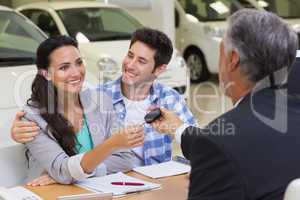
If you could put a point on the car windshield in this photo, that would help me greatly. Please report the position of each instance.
(99, 24)
(283, 8)
(19, 40)
(213, 10)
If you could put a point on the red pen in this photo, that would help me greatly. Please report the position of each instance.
(127, 183)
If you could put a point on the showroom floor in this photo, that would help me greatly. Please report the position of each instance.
(206, 103)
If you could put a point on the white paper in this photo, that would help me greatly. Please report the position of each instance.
(165, 169)
(103, 184)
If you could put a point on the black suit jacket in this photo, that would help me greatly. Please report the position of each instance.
(239, 156)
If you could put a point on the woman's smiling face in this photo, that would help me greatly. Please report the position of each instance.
(66, 69)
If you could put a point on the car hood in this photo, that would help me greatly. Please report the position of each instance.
(199, 27)
(16, 85)
(294, 23)
(114, 49)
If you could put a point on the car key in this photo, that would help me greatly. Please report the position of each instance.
(152, 115)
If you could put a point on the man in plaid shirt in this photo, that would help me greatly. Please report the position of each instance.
(157, 147)
(136, 90)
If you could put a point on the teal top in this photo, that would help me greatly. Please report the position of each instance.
(84, 139)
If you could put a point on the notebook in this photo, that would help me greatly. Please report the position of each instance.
(170, 168)
(104, 184)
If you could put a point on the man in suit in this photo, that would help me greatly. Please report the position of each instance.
(252, 151)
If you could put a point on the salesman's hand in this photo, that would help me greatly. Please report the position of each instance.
(23, 131)
(167, 123)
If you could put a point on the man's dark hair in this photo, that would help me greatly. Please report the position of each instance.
(156, 40)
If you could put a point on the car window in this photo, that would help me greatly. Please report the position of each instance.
(19, 39)
(99, 24)
(213, 10)
(283, 8)
(116, 21)
(43, 20)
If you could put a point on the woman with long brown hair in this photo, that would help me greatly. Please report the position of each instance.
(76, 137)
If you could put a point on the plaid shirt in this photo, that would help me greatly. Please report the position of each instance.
(157, 147)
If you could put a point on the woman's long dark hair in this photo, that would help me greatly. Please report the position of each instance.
(44, 95)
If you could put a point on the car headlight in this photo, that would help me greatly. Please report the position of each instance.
(107, 65)
(177, 61)
(214, 31)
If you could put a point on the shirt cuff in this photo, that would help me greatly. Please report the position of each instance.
(179, 131)
(75, 168)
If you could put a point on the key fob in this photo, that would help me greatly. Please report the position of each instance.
(152, 115)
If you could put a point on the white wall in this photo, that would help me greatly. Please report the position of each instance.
(16, 3)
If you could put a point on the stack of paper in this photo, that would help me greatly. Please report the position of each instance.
(104, 184)
(165, 169)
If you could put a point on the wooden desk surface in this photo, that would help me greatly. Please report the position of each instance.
(175, 187)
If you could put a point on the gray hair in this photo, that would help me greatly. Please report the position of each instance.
(264, 42)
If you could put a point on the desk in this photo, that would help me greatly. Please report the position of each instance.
(175, 187)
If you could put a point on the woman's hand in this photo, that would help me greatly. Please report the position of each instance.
(126, 138)
(41, 181)
(129, 137)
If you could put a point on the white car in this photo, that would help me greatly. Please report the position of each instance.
(19, 39)
(200, 25)
(103, 32)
